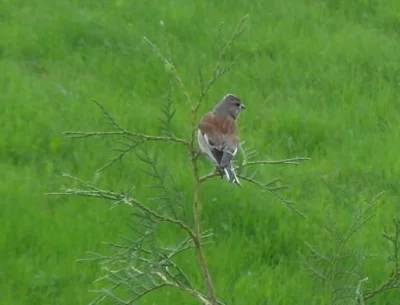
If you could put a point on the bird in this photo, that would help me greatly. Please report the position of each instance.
(217, 135)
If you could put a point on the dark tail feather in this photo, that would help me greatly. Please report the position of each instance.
(226, 159)
(231, 175)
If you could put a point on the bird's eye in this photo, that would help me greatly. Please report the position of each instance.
(237, 104)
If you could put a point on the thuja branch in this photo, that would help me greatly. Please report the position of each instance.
(218, 72)
(140, 274)
(121, 132)
(393, 282)
(166, 282)
(121, 199)
(220, 69)
(269, 186)
(170, 67)
(132, 139)
(340, 268)
(273, 191)
(143, 137)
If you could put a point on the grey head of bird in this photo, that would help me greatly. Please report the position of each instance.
(230, 105)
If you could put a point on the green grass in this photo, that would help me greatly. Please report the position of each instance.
(320, 79)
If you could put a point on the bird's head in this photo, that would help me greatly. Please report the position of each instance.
(229, 105)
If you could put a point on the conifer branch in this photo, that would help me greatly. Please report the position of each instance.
(220, 69)
(393, 282)
(119, 198)
(142, 264)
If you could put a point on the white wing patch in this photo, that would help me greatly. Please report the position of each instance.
(234, 152)
(205, 146)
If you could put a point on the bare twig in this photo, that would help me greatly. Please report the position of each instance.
(294, 161)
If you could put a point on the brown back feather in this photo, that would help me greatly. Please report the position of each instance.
(220, 126)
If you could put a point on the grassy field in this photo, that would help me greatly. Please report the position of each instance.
(320, 78)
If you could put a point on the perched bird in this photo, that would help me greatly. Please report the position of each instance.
(217, 135)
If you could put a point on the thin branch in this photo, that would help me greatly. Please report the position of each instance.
(168, 113)
(294, 161)
(95, 192)
(219, 70)
(171, 198)
(121, 131)
(393, 282)
(171, 67)
(135, 139)
(209, 176)
(289, 204)
(192, 292)
(87, 134)
(359, 299)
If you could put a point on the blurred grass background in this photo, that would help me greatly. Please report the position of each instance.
(320, 79)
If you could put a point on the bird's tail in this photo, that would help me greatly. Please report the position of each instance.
(231, 175)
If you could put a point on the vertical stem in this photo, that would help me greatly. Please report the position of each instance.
(197, 232)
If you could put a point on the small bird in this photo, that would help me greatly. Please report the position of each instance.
(217, 135)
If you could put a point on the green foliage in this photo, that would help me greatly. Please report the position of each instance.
(320, 79)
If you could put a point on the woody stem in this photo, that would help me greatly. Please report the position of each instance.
(197, 232)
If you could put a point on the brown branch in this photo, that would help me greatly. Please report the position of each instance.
(197, 231)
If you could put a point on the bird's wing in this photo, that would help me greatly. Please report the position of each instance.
(207, 149)
(219, 133)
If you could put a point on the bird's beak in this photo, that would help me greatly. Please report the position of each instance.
(242, 106)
